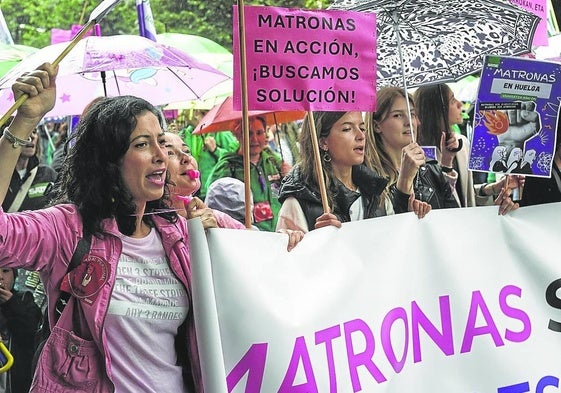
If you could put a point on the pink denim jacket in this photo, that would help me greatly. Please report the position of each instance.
(45, 241)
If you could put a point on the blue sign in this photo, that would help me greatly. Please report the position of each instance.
(516, 116)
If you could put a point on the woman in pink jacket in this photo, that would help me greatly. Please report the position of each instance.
(129, 325)
(185, 176)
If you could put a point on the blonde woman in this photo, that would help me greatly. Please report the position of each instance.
(392, 153)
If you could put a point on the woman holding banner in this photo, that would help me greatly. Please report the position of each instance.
(134, 281)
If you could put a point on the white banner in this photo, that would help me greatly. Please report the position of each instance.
(462, 301)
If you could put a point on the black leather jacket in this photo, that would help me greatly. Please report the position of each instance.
(430, 186)
(538, 190)
(370, 185)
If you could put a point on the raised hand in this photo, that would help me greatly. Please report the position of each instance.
(418, 207)
(412, 157)
(40, 87)
(448, 147)
(523, 123)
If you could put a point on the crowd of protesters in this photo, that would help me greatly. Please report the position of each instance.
(120, 179)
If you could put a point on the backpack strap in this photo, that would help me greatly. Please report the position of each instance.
(82, 249)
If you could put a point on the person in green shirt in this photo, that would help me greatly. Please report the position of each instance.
(266, 172)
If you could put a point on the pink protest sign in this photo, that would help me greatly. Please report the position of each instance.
(539, 8)
(307, 59)
(60, 35)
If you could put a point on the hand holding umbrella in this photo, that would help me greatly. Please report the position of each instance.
(97, 14)
(133, 65)
(449, 146)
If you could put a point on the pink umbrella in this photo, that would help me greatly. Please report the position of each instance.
(117, 65)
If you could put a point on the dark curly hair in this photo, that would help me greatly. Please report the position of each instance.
(91, 177)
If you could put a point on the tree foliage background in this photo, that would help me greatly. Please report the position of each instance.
(31, 21)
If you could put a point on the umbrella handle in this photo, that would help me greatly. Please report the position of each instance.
(19, 102)
(457, 149)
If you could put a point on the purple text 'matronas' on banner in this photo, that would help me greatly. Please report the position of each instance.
(384, 305)
(307, 59)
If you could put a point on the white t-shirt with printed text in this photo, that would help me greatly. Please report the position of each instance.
(147, 306)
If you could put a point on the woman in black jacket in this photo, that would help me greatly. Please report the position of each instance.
(353, 190)
(19, 319)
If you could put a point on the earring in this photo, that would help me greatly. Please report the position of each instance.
(326, 156)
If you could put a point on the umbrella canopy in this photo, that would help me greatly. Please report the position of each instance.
(211, 98)
(207, 51)
(223, 117)
(202, 49)
(11, 55)
(117, 65)
(430, 41)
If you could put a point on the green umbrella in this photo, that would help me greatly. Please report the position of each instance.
(466, 88)
(210, 52)
(201, 48)
(10, 55)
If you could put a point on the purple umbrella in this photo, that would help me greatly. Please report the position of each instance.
(117, 65)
